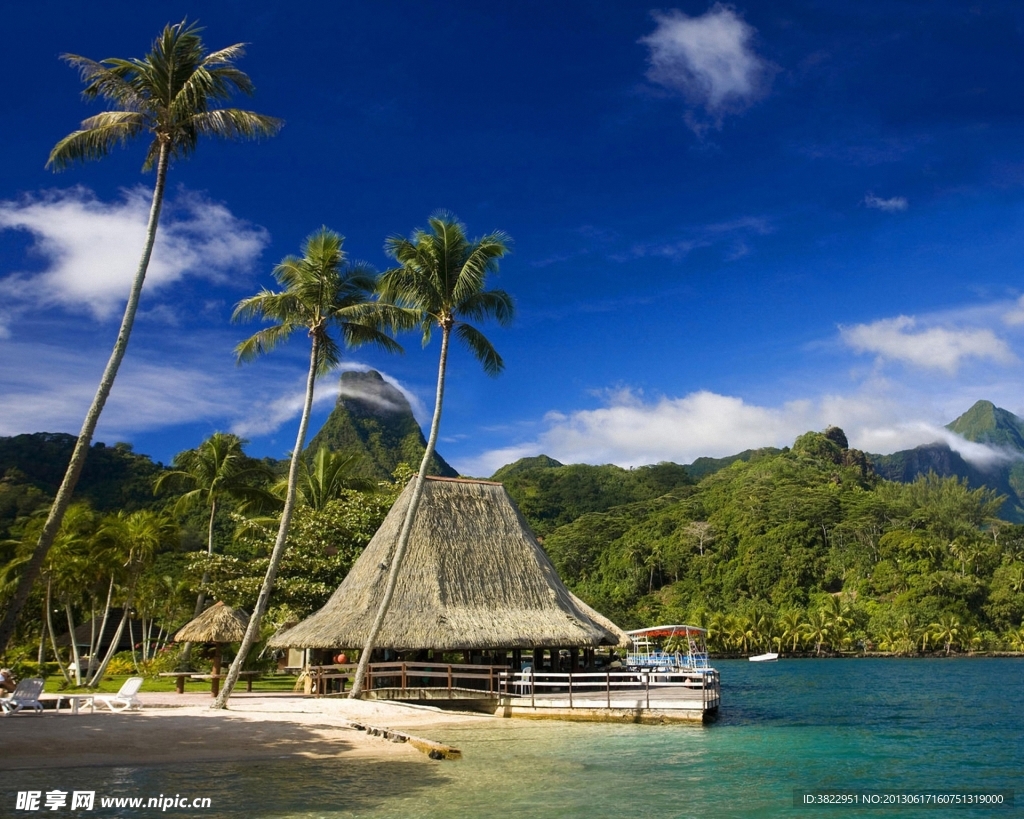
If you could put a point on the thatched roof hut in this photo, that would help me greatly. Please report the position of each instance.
(474, 577)
(218, 624)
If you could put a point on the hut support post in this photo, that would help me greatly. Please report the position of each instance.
(215, 680)
(608, 687)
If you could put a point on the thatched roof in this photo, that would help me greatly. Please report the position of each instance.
(474, 577)
(624, 640)
(218, 624)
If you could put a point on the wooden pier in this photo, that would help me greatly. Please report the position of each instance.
(593, 696)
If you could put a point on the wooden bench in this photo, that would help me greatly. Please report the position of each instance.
(215, 679)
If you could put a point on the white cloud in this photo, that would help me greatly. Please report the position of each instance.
(1014, 316)
(90, 249)
(267, 415)
(893, 205)
(54, 397)
(630, 431)
(709, 61)
(937, 348)
(736, 232)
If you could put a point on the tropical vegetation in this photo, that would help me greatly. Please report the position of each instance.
(170, 96)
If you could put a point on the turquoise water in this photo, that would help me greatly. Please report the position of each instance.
(857, 725)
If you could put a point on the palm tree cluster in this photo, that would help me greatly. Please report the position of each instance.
(174, 95)
(838, 626)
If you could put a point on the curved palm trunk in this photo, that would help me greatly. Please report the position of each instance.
(410, 515)
(53, 637)
(253, 629)
(74, 642)
(74, 470)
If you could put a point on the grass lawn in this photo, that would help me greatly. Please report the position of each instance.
(111, 684)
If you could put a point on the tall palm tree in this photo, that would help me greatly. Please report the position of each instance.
(441, 275)
(215, 470)
(321, 294)
(170, 95)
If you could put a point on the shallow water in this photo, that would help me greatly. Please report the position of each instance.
(883, 725)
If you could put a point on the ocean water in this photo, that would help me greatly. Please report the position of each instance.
(800, 726)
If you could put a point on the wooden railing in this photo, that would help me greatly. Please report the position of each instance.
(404, 675)
(495, 680)
(587, 684)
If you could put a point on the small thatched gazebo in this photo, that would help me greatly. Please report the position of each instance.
(474, 579)
(219, 624)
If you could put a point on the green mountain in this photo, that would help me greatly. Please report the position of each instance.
(806, 530)
(374, 419)
(551, 495)
(984, 423)
(702, 467)
(32, 467)
(524, 465)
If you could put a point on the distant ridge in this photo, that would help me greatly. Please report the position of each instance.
(524, 464)
(374, 419)
(702, 467)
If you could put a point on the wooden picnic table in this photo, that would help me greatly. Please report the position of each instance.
(214, 679)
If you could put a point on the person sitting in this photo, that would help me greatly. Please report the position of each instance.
(7, 680)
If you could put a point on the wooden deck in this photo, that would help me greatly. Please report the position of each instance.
(607, 696)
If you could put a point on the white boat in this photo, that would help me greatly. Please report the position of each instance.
(677, 651)
(771, 657)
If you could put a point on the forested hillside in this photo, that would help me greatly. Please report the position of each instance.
(812, 538)
(807, 548)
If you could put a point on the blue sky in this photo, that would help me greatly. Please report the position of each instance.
(732, 223)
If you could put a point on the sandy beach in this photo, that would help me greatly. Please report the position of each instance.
(174, 728)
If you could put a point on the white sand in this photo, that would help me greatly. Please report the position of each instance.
(254, 727)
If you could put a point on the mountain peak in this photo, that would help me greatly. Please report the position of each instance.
(985, 423)
(373, 418)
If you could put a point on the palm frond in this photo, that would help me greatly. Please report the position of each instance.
(102, 80)
(263, 342)
(496, 304)
(481, 348)
(234, 123)
(93, 143)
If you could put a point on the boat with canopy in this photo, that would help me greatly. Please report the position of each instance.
(674, 649)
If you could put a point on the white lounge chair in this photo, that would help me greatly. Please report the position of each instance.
(26, 695)
(125, 699)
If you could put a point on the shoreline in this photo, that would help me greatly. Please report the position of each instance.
(253, 728)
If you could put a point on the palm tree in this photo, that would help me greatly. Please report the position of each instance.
(792, 623)
(818, 627)
(215, 470)
(946, 630)
(326, 478)
(169, 95)
(134, 537)
(440, 275)
(321, 294)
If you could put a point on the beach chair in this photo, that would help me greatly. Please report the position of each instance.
(125, 699)
(26, 695)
